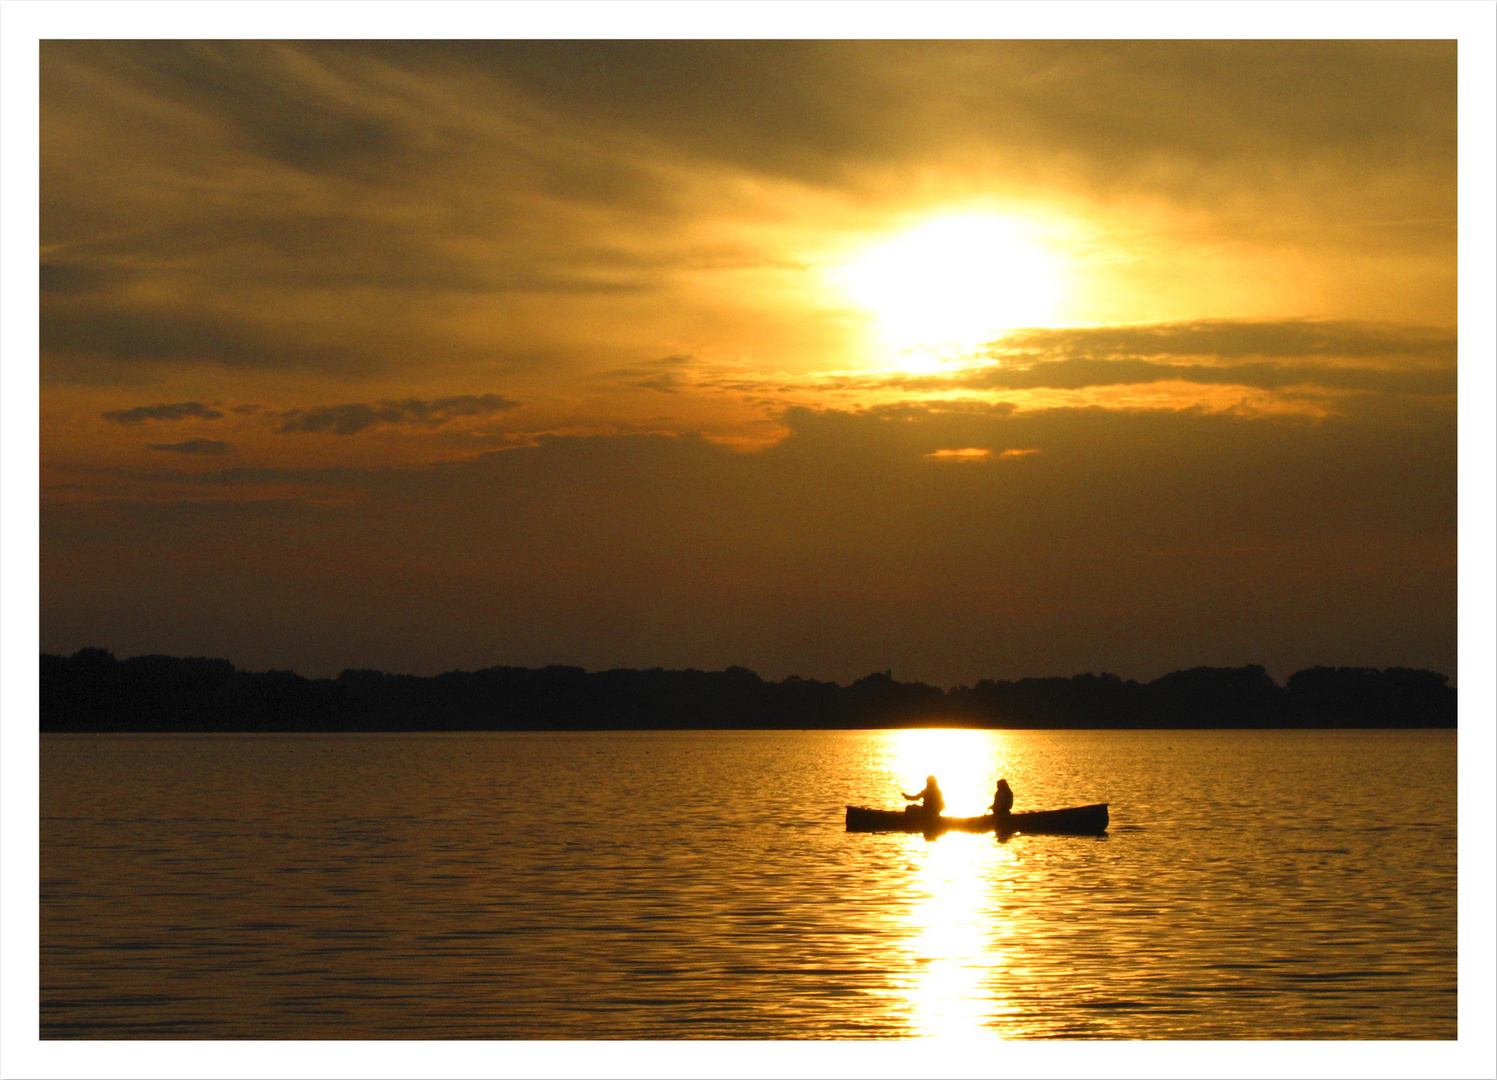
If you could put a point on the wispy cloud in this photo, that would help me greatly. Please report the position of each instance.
(1121, 520)
(664, 374)
(1262, 355)
(967, 453)
(350, 419)
(194, 446)
(182, 410)
(1234, 339)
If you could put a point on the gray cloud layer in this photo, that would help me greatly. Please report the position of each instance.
(357, 209)
(1265, 355)
(1129, 536)
(182, 410)
(304, 205)
(1296, 355)
(1162, 113)
(194, 446)
(346, 419)
(1079, 374)
(353, 418)
(1235, 339)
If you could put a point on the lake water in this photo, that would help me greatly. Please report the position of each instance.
(697, 885)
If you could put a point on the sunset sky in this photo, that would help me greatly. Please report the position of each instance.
(965, 359)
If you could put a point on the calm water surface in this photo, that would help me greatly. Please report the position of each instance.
(663, 885)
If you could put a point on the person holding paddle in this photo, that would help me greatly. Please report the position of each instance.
(931, 802)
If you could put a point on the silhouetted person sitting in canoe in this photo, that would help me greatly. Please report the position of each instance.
(1003, 800)
(931, 802)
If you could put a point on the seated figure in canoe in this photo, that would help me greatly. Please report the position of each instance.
(1003, 802)
(931, 802)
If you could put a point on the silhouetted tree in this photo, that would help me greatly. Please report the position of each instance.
(93, 691)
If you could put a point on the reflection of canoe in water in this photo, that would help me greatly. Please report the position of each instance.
(1073, 821)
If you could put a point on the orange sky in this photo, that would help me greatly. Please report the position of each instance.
(967, 359)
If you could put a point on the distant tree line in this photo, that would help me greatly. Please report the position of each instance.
(93, 691)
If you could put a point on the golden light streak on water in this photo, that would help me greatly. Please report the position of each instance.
(959, 946)
(966, 764)
(948, 995)
(701, 885)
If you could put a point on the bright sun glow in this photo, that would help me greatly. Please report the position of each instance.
(965, 762)
(959, 934)
(956, 280)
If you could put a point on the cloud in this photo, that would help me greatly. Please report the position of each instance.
(340, 207)
(1079, 374)
(194, 446)
(1119, 546)
(1265, 355)
(1177, 116)
(1230, 339)
(56, 276)
(353, 418)
(111, 331)
(662, 374)
(968, 453)
(288, 206)
(270, 217)
(182, 410)
(1287, 360)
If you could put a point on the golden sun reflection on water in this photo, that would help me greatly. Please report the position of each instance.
(955, 989)
(959, 950)
(966, 764)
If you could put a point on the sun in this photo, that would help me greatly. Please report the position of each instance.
(954, 280)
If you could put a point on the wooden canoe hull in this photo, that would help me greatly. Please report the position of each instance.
(1072, 821)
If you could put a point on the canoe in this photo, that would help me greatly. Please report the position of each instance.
(1072, 821)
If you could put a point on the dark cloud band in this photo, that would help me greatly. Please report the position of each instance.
(353, 418)
(1080, 374)
(1282, 355)
(194, 446)
(1235, 339)
(182, 410)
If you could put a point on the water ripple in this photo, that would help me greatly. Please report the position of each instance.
(701, 885)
